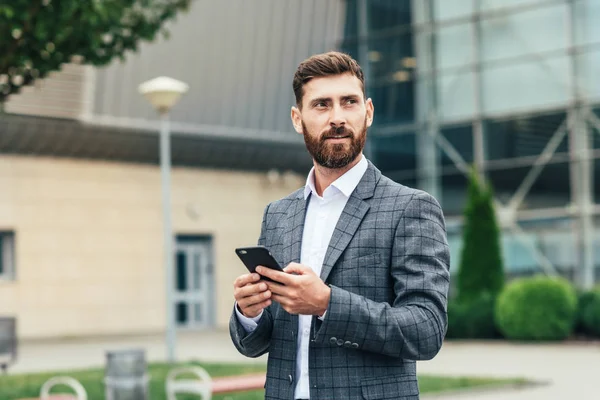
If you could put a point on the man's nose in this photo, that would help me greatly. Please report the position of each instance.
(337, 117)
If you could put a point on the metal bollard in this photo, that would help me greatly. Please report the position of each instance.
(125, 376)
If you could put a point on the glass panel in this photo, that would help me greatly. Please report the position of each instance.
(389, 55)
(454, 192)
(395, 156)
(385, 14)
(197, 273)
(444, 9)
(551, 188)
(587, 28)
(198, 314)
(454, 46)
(461, 138)
(531, 85)
(488, 5)
(181, 271)
(454, 182)
(351, 25)
(588, 78)
(522, 137)
(456, 96)
(535, 31)
(394, 102)
(181, 313)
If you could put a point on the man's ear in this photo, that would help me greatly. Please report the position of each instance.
(370, 112)
(297, 120)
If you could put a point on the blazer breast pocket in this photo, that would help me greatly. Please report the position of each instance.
(401, 387)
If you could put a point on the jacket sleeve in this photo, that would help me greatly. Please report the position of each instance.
(414, 325)
(257, 342)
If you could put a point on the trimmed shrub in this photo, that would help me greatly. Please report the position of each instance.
(538, 308)
(584, 298)
(591, 314)
(472, 319)
(481, 268)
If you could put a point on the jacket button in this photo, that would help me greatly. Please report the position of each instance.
(340, 342)
(290, 378)
(333, 340)
(355, 345)
(347, 344)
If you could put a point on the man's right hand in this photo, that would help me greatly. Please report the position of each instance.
(251, 294)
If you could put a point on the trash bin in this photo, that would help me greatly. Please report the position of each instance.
(125, 376)
(8, 341)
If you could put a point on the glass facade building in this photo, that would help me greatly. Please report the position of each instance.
(508, 86)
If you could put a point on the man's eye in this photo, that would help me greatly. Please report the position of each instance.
(321, 104)
(351, 101)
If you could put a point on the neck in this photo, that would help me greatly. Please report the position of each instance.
(326, 176)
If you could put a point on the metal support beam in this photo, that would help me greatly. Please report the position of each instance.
(428, 157)
(581, 165)
(363, 58)
(478, 127)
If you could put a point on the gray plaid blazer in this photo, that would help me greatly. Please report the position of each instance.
(388, 268)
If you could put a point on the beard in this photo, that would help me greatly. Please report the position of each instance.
(335, 155)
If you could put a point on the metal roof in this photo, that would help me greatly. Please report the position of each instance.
(41, 136)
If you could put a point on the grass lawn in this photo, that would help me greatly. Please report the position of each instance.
(21, 386)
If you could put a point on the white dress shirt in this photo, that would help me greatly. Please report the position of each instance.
(322, 216)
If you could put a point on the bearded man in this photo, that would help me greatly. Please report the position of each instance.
(364, 292)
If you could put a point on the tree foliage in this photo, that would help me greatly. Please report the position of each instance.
(38, 36)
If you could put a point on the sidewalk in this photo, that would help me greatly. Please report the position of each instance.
(570, 371)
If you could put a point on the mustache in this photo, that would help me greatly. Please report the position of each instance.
(339, 131)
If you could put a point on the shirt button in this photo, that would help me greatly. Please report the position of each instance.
(306, 331)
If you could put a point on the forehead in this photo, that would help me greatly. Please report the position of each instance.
(333, 86)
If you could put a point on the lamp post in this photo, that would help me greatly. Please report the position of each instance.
(163, 93)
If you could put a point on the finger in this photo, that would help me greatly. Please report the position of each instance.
(298, 269)
(254, 299)
(249, 290)
(278, 276)
(256, 308)
(280, 299)
(246, 279)
(277, 288)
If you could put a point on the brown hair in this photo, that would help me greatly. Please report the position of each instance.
(326, 64)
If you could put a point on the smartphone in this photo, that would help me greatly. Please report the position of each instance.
(254, 256)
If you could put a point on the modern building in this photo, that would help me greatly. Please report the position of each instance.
(508, 86)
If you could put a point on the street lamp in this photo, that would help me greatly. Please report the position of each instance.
(163, 93)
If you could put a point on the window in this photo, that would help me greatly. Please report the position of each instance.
(7, 255)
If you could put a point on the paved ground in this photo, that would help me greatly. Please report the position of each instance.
(569, 371)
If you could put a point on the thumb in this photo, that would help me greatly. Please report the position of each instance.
(298, 269)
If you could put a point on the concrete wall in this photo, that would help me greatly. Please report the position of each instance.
(89, 258)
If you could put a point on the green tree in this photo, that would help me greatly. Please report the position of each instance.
(481, 267)
(38, 36)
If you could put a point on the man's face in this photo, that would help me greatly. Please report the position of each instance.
(334, 119)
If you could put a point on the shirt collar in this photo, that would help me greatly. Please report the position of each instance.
(345, 183)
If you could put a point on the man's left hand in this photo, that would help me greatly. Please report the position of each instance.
(299, 290)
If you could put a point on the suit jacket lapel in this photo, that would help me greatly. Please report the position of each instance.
(355, 210)
(292, 237)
